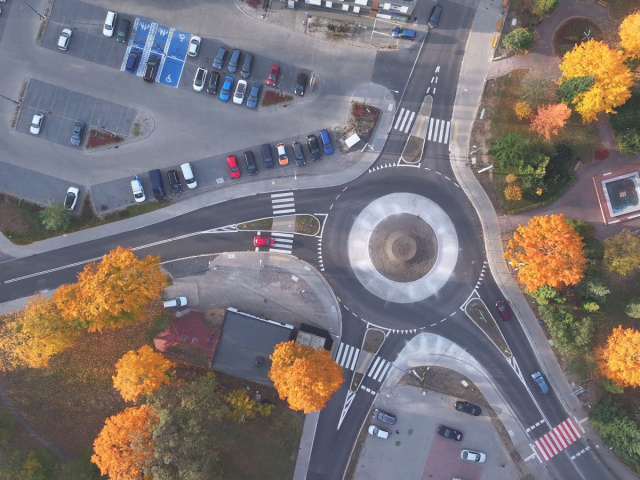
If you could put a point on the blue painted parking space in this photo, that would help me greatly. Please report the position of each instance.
(141, 29)
(179, 45)
(171, 72)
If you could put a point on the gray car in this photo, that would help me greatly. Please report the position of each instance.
(252, 101)
(384, 416)
(219, 60)
(245, 72)
(233, 61)
(540, 382)
(76, 137)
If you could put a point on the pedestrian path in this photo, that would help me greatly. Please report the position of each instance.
(558, 439)
(347, 356)
(283, 242)
(283, 203)
(438, 130)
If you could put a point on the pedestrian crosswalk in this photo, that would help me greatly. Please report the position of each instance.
(283, 242)
(438, 130)
(283, 203)
(404, 120)
(557, 439)
(347, 356)
(379, 369)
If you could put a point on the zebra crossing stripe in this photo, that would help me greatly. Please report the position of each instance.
(283, 205)
(280, 250)
(280, 200)
(278, 195)
(283, 212)
(283, 235)
(559, 438)
(439, 131)
(400, 115)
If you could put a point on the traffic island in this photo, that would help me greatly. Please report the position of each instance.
(302, 224)
(414, 148)
(478, 312)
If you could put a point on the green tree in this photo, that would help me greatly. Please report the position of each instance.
(622, 252)
(617, 430)
(545, 294)
(612, 387)
(628, 142)
(543, 8)
(592, 289)
(55, 217)
(590, 307)
(519, 40)
(510, 151)
(571, 88)
(244, 407)
(633, 308)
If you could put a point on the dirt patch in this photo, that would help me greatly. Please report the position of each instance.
(272, 97)
(307, 225)
(373, 340)
(572, 32)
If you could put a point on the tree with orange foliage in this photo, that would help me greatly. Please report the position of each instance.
(304, 376)
(523, 110)
(620, 358)
(141, 372)
(123, 448)
(549, 119)
(547, 251)
(113, 293)
(612, 78)
(629, 31)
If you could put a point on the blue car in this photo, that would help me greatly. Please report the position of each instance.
(403, 33)
(225, 91)
(540, 383)
(252, 101)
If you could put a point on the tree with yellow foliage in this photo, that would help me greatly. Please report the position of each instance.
(612, 78)
(31, 337)
(141, 372)
(113, 293)
(523, 110)
(547, 251)
(620, 357)
(123, 449)
(629, 31)
(304, 376)
(513, 193)
(549, 119)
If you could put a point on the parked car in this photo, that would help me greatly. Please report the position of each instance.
(327, 146)
(219, 60)
(241, 88)
(403, 33)
(249, 159)
(540, 382)
(138, 190)
(123, 30)
(471, 456)
(133, 60)
(232, 163)
(503, 310)
(470, 408)
(200, 79)
(212, 84)
(448, 432)
(194, 45)
(272, 78)
(436, 11)
(384, 416)
(301, 84)
(225, 91)
(175, 302)
(378, 432)
(259, 241)
(232, 67)
(109, 24)
(64, 39)
(282, 154)
(187, 174)
(266, 155)
(72, 198)
(245, 71)
(299, 154)
(314, 148)
(36, 123)
(151, 70)
(252, 100)
(174, 182)
(76, 136)
(157, 185)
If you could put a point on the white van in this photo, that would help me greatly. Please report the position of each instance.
(187, 173)
(109, 24)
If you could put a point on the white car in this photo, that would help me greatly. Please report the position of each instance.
(378, 432)
(194, 46)
(471, 456)
(241, 88)
(72, 198)
(138, 191)
(36, 123)
(175, 302)
(64, 39)
(109, 24)
(200, 79)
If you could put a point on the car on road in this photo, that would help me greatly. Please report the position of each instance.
(234, 60)
(384, 416)
(76, 136)
(503, 310)
(212, 84)
(266, 155)
(138, 190)
(123, 30)
(299, 154)
(225, 91)
(194, 45)
(540, 382)
(254, 94)
(405, 33)
(175, 302)
(272, 78)
(314, 147)
(259, 241)
(200, 79)
(72, 198)
(64, 39)
(470, 408)
(109, 24)
(436, 11)
(250, 160)
(241, 88)
(472, 456)
(448, 432)
(232, 163)
(36, 123)
(174, 182)
(219, 60)
(282, 154)
(151, 70)
(378, 432)
(245, 71)
(301, 84)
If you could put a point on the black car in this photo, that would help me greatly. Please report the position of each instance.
(297, 151)
(212, 84)
(76, 136)
(251, 163)
(151, 69)
(301, 84)
(314, 147)
(436, 11)
(469, 408)
(266, 155)
(448, 432)
(219, 60)
(384, 416)
(174, 182)
(123, 30)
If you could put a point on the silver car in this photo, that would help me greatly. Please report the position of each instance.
(241, 88)
(36, 123)
(64, 39)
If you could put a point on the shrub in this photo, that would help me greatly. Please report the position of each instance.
(544, 294)
(612, 387)
(511, 178)
(519, 40)
(592, 289)
(629, 142)
(590, 307)
(523, 110)
(543, 7)
(55, 217)
(513, 193)
(617, 429)
(633, 308)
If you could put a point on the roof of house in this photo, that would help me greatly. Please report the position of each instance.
(188, 338)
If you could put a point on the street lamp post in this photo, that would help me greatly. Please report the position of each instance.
(42, 17)
(10, 99)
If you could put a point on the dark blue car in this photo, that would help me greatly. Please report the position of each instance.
(252, 101)
(225, 91)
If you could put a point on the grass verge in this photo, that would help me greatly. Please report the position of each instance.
(262, 224)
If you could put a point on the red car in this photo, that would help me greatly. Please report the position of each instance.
(232, 161)
(503, 310)
(272, 78)
(263, 241)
